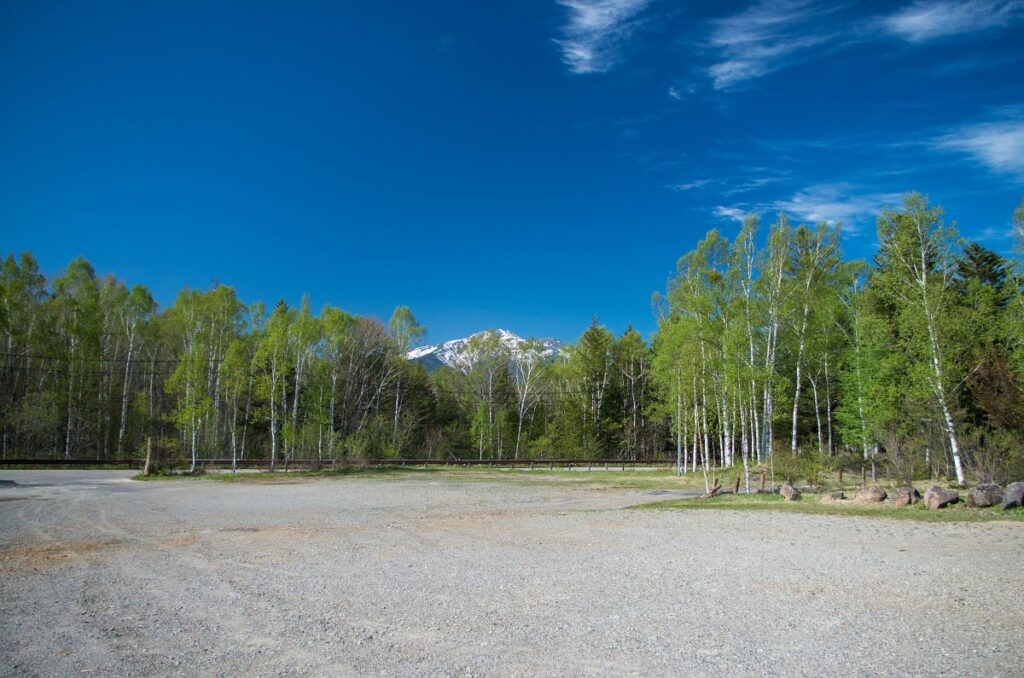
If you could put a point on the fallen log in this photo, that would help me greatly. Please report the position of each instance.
(716, 490)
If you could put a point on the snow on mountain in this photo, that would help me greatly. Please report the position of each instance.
(455, 353)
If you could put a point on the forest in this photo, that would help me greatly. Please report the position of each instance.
(771, 349)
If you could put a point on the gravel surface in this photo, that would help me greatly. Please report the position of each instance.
(422, 575)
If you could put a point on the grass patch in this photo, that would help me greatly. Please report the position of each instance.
(809, 504)
(660, 479)
(262, 476)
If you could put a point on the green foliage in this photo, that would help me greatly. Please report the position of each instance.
(771, 352)
(799, 468)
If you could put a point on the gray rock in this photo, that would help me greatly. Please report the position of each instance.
(1014, 495)
(871, 494)
(985, 494)
(789, 493)
(939, 497)
(905, 496)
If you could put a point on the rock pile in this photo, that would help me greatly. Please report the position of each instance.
(871, 494)
(1014, 495)
(984, 495)
(938, 497)
(905, 496)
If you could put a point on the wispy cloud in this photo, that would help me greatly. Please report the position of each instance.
(730, 187)
(837, 202)
(829, 202)
(771, 34)
(928, 20)
(596, 32)
(994, 235)
(751, 185)
(762, 39)
(691, 185)
(997, 145)
(735, 212)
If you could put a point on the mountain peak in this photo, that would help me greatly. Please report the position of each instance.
(453, 353)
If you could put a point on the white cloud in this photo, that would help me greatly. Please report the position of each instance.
(997, 145)
(831, 203)
(735, 213)
(928, 20)
(990, 234)
(771, 34)
(679, 90)
(751, 185)
(761, 39)
(838, 202)
(691, 185)
(596, 32)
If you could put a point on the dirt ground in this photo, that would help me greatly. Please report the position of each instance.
(431, 575)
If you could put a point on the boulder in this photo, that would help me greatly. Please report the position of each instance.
(1014, 495)
(871, 494)
(984, 495)
(789, 493)
(905, 496)
(939, 497)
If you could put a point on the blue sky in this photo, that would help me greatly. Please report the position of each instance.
(526, 165)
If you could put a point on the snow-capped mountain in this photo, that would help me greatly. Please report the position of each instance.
(455, 353)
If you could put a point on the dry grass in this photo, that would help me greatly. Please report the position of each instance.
(811, 504)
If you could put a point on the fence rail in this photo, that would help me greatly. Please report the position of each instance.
(127, 463)
(306, 464)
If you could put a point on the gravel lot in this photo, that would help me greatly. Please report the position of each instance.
(426, 575)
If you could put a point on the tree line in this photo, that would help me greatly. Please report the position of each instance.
(771, 349)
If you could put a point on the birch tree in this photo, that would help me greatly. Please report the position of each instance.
(406, 332)
(336, 326)
(485, 363)
(772, 288)
(915, 275)
(529, 369)
(815, 258)
(302, 339)
(23, 298)
(133, 316)
(75, 306)
(272, 361)
(632, 358)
